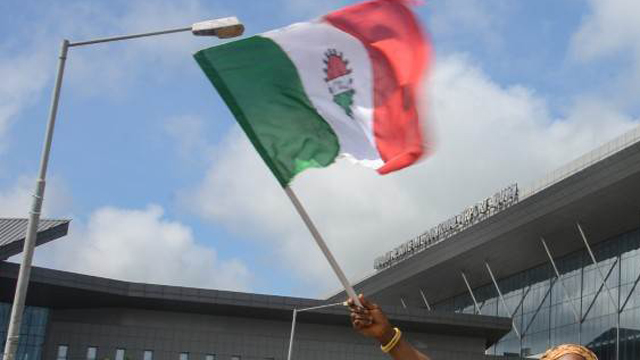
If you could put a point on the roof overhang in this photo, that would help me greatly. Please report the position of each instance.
(56, 289)
(13, 232)
(604, 198)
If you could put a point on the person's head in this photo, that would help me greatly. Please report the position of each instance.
(571, 357)
(569, 352)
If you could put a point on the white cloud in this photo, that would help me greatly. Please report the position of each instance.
(16, 200)
(611, 30)
(188, 132)
(112, 68)
(476, 19)
(136, 245)
(611, 26)
(29, 54)
(142, 246)
(23, 77)
(133, 245)
(303, 9)
(488, 137)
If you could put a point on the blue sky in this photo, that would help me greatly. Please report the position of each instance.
(163, 188)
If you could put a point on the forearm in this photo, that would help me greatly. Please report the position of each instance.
(405, 351)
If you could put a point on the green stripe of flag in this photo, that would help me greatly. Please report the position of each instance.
(261, 86)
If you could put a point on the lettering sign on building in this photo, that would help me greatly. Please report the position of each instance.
(469, 216)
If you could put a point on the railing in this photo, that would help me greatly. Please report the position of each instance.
(621, 142)
(611, 147)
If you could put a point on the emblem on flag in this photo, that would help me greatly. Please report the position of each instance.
(339, 80)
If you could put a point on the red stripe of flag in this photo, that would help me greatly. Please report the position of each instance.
(400, 55)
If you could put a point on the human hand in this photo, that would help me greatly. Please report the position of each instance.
(369, 320)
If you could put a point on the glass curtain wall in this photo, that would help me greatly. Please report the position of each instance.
(579, 308)
(32, 331)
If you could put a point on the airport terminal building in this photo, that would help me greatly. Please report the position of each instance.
(508, 277)
(560, 259)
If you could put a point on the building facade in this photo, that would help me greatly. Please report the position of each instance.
(79, 317)
(562, 260)
(579, 308)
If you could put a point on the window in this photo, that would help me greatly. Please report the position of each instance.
(120, 354)
(184, 356)
(148, 355)
(62, 352)
(92, 353)
(210, 357)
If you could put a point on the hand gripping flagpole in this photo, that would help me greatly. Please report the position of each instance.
(323, 246)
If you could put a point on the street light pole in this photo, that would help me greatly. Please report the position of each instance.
(293, 322)
(222, 28)
(293, 331)
(13, 332)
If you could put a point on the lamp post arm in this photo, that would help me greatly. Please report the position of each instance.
(127, 37)
(344, 303)
(222, 28)
(293, 322)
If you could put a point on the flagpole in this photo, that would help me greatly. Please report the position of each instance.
(322, 244)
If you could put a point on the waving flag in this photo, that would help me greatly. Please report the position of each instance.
(343, 85)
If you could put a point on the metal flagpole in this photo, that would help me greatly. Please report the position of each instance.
(13, 333)
(323, 246)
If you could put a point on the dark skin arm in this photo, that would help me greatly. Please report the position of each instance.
(370, 321)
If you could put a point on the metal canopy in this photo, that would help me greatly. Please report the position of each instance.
(12, 233)
(604, 198)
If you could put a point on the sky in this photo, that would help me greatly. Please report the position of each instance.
(163, 187)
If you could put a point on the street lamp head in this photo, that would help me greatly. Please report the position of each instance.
(223, 28)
